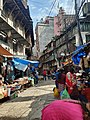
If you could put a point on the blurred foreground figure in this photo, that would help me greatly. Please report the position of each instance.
(65, 110)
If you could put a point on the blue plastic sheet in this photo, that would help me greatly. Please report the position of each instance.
(78, 54)
(76, 59)
(22, 64)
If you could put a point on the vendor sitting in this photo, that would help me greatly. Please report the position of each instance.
(3, 89)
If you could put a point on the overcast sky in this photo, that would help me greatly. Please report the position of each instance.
(41, 8)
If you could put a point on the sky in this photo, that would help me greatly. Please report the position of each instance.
(41, 8)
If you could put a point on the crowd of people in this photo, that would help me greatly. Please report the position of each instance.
(74, 85)
(72, 89)
(75, 81)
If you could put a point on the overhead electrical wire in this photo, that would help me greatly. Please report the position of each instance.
(52, 7)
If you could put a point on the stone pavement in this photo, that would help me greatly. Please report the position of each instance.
(29, 103)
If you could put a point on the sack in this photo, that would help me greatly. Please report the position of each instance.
(65, 95)
(56, 93)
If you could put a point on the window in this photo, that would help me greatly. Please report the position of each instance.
(87, 38)
(85, 26)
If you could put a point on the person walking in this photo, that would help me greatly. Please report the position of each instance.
(49, 74)
(61, 80)
(56, 74)
(44, 74)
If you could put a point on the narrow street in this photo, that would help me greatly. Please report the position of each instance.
(39, 40)
(29, 103)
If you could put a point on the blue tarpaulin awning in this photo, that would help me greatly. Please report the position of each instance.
(78, 54)
(22, 64)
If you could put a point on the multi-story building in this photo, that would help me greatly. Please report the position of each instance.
(16, 27)
(51, 27)
(44, 32)
(61, 21)
(69, 38)
(49, 57)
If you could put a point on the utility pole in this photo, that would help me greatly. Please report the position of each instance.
(66, 36)
(79, 31)
(78, 23)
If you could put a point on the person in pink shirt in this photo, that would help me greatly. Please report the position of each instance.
(65, 110)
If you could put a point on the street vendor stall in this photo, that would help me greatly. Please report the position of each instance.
(79, 57)
(3, 90)
(26, 66)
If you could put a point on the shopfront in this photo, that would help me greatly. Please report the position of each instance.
(5, 56)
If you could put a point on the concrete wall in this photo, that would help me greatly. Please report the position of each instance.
(61, 21)
(46, 32)
(56, 27)
(83, 37)
(1, 4)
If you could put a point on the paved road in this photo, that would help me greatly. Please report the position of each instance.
(29, 103)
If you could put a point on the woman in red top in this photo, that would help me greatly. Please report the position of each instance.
(70, 80)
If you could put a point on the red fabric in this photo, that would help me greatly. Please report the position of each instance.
(62, 110)
(44, 72)
(86, 92)
(69, 83)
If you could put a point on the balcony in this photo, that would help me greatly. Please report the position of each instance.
(13, 11)
(7, 24)
(10, 20)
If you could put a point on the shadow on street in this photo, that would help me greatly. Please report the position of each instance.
(34, 103)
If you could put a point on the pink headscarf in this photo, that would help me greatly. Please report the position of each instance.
(62, 110)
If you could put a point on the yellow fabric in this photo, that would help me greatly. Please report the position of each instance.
(56, 93)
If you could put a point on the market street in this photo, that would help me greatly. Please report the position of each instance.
(28, 104)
